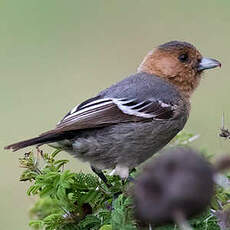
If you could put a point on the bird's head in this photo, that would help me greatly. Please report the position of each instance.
(178, 62)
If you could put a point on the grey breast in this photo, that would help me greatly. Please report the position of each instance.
(130, 144)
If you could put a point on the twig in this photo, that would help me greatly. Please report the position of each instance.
(223, 131)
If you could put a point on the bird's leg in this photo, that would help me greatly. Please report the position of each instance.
(101, 175)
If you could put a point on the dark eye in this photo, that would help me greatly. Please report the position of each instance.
(183, 57)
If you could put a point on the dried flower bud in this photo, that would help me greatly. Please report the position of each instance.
(179, 180)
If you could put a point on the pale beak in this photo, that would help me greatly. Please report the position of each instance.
(208, 63)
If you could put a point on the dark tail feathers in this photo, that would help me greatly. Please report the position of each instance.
(43, 139)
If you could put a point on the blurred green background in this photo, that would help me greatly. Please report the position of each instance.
(55, 53)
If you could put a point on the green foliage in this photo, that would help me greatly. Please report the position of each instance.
(70, 200)
(79, 201)
(207, 221)
(122, 215)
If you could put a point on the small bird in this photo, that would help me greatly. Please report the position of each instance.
(127, 123)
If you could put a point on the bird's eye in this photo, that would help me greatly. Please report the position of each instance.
(183, 57)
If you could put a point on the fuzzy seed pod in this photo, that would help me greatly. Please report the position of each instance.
(178, 181)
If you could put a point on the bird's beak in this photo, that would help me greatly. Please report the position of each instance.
(208, 63)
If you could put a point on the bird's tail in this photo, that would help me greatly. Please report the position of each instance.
(45, 138)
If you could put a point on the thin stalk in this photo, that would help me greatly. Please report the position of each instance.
(181, 221)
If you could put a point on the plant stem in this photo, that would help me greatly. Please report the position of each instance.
(181, 221)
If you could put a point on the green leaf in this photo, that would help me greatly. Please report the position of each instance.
(60, 163)
(54, 154)
(53, 221)
(37, 224)
(34, 189)
(106, 227)
(88, 197)
(90, 222)
(61, 194)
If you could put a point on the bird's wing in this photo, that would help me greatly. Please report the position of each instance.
(100, 112)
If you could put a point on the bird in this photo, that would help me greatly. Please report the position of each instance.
(125, 124)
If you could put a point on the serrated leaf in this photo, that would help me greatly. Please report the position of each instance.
(33, 190)
(90, 222)
(46, 191)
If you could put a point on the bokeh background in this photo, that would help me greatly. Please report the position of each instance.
(55, 53)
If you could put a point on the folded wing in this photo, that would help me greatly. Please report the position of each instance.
(99, 112)
(107, 111)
